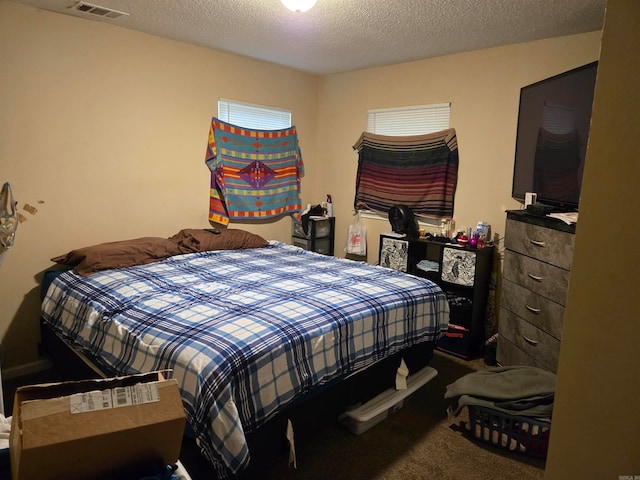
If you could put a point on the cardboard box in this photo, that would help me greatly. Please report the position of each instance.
(90, 429)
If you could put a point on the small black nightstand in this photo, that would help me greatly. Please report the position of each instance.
(319, 237)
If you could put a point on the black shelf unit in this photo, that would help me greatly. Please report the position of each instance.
(463, 273)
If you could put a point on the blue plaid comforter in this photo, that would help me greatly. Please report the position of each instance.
(245, 331)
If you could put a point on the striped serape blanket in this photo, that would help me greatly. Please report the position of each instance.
(420, 171)
(255, 174)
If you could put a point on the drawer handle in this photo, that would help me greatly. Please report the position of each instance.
(535, 277)
(532, 310)
(537, 243)
(530, 340)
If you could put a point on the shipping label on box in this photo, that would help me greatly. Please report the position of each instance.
(115, 397)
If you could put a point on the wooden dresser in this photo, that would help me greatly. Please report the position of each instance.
(536, 270)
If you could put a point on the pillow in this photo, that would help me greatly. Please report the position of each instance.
(120, 254)
(203, 240)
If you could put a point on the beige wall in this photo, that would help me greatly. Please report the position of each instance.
(596, 424)
(104, 131)
(484, 90)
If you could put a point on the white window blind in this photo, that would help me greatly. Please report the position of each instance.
(415, 120)
(253, 116)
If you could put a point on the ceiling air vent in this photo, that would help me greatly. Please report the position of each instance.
(97, 10)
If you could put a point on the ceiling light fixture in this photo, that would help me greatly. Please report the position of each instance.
(298, 5)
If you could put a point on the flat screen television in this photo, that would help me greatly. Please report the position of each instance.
(551, 143)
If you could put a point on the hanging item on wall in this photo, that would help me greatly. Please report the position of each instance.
(357, 237)
(419, 171)
(255, 174)
(8, 217)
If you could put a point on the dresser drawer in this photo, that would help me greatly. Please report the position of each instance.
(532, 340)
(534, 308)
(544, 244)
(539, 277)
(509, 354)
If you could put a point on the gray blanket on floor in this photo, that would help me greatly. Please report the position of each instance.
(514, 390)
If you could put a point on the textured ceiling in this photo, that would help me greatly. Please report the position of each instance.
(344, 35)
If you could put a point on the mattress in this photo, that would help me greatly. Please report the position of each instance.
(246, 332)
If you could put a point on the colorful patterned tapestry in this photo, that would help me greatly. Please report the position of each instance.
(255, 174)
(420, 171)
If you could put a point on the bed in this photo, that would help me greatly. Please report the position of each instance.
(250, 333)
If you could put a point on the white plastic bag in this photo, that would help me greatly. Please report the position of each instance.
(357, 237)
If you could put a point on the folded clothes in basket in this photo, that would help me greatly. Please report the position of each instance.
(514, 390)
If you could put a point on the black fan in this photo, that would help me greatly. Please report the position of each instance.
(403, 221)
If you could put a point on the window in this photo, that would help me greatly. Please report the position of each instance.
(253, 116)
(416, 120)
(436, 200)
